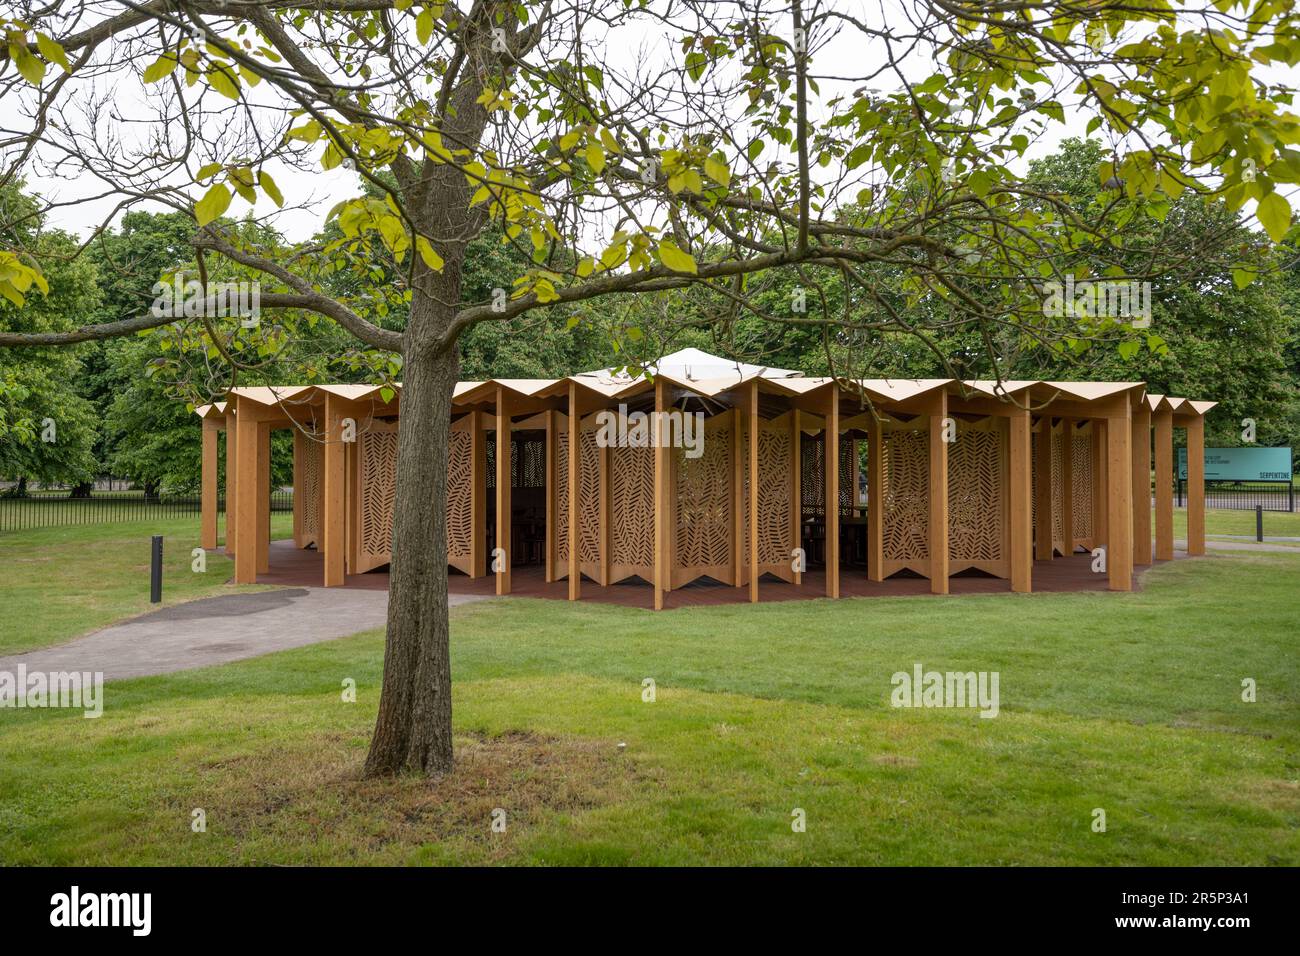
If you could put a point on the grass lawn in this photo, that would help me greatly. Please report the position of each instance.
(1128, 703)
(59, 583)
(1221, 521)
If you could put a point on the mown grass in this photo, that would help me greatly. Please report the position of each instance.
(59, 583)
(1128, 703)
(1221, 521)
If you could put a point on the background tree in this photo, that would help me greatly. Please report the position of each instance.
(716, 151)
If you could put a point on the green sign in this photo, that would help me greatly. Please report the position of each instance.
(1241, 464)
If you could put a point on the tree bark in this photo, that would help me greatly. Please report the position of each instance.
(413, 730)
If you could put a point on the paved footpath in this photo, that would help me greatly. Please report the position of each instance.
(1214, 544)
(216, 630)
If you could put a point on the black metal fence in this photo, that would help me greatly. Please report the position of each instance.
(1244, 495)
(46, 509)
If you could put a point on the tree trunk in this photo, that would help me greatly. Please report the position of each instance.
(82, 490)
(413, 732)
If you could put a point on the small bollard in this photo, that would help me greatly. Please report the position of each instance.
(155, 571)
(1259, 522)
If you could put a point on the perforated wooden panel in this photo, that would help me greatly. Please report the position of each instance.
(775, 498)
(460, 501)
(704, 506)
(588, 500)
(1058, 493)
(527, 462)
(1082, 493)
(907, 500)
(632, 513)
(812, 475)
(377, 462)
(309, 483)
(847, 489)
(977, 499)
(560, 494)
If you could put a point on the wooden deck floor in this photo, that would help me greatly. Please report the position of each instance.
(295, 568)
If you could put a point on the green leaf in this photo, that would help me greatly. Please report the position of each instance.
(1274, 214)
(695, 64)
(270, 188)
(595, 156)
(1128, 350)
(213, 204)
(717, 171)
(32, 69)
(675, 259)
(424, 26)
(428, 254)
(222, 78)
(161, 68)
(1242, 278)
(52, 52)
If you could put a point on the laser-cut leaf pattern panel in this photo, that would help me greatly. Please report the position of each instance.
(977, 507)
(561, 495)
(1081, 469)
(812, 475)
(588, 498)
(704, 506)
(460, 513)
(774, 494)
(907, 500)
(377, 448)
(310, 484)
(1058, 493)
(847, 490)
(527, 462)
(633, 513)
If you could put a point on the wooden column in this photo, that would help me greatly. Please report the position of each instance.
(832, 467)
(1020, 500)
(1101, 484)
(1164, 479)
(503, 489)
(603, 461)
(876, 499)
(245, 506)
(208, 504)
(263, 497)
(478, 545)
(662, 504)
(739, 506)
(552, 436)
(796, 492)
(352, 497)
(753, 490)
(1067, 485)
(575, 425)
(334, 494)
(1196, 485)
(938, 496)
(1141, 441)
(299, 504)
(1119, 501)
(232, 477)
(1043, 550)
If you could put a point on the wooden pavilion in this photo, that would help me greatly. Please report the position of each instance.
(959, 475)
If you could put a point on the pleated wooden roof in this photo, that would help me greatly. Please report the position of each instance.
(708, 376)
